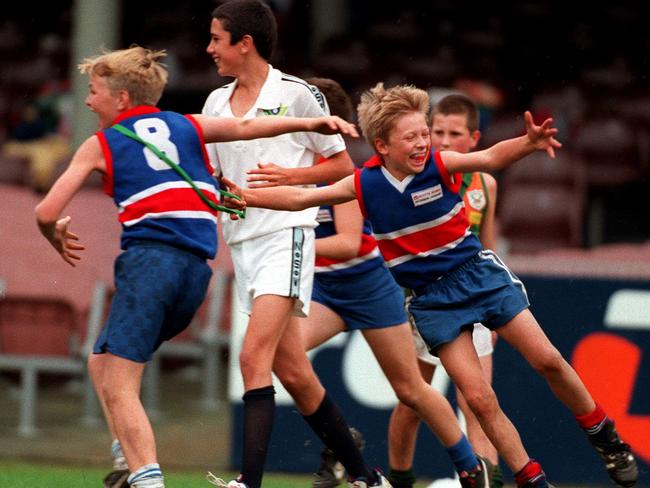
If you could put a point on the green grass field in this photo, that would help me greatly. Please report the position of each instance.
(24, 475)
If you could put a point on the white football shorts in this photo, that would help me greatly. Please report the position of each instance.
(280, 263)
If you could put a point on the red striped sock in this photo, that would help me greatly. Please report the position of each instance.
(592, 419)
(531, 470)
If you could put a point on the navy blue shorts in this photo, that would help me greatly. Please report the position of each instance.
(370, 300)
(158, 288)
(481, 290)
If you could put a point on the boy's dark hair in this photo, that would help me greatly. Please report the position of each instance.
(338, 101)
(459, 104)
(252, 17)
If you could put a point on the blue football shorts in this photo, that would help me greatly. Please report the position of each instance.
(158, 289)
(481, 290)
(369, 300)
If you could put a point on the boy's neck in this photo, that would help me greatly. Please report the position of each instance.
(248, 87)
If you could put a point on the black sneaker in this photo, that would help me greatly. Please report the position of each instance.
(619, 461)
(117, 479)
(496, 481)
(331, 472)
(479, 477)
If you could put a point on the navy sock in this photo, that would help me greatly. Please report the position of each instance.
(259, 409)
(330, 425)
(401, 478)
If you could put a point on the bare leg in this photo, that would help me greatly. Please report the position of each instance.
(403, 428)
(394, 349)
(268, 320)
(475, 434)
(321, 325)
(120, 390)
(461, 362)
(524, 334)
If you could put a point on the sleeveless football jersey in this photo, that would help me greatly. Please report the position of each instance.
(154, 202)
(419, 223)
(367, 258)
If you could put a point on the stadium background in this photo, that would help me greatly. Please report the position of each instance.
(585, 66)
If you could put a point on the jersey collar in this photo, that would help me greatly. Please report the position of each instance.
(134, 111)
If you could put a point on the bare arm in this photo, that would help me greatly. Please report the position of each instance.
(291, 198)
(87, 158)
(488, 227)
(345, 243)
(504, 153)
(267, 175)
(223, 129)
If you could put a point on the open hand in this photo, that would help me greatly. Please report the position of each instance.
(542, 136)
(64, 241)
(267, 175)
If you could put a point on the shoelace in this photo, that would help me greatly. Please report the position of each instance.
(216, 481)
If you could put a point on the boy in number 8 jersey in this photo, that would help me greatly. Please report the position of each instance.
(168, 230)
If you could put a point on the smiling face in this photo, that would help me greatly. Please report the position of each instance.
(450, 133)
(226, 57)
(101, 100)
(407, 148)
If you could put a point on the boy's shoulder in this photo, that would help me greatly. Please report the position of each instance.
(298, 88)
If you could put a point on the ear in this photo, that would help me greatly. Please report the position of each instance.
(123, 100)
(475, 136)
(380, 146)
(246, 44)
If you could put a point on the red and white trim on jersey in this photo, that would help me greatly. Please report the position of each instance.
(425, 239)
(174, 199)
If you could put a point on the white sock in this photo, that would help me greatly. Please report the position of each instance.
(148, 476)
(119, 461)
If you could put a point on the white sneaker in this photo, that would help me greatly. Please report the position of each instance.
(223, 483)
(363, 483)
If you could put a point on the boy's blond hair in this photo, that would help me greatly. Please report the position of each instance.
(380, 107)
(135, 70)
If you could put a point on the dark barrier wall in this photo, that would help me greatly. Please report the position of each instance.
(601, 326)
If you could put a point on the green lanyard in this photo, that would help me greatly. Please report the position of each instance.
(183, 174)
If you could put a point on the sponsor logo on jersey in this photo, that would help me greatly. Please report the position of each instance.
(427, 195)
(281, 111)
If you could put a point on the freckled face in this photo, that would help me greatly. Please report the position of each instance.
(450, 133)
(407, 149)
(225, 56)
(102, 101)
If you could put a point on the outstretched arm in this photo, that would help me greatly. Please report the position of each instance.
(334, 168)
(48, 212)
(504, 153)
(291, 198)
(223, 129)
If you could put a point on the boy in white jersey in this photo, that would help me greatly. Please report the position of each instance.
(273, 252)
(162, 275)
(410, 195)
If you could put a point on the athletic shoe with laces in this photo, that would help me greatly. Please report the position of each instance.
(331, 472)
(221, 483)
(361, 482)
(496, 480)
(117, 479)
(479, 477)
(619, 461)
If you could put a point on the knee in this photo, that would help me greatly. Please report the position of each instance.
(482, 402)
(549, 362)
(407, 393)
(293, 379)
